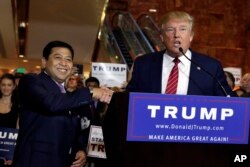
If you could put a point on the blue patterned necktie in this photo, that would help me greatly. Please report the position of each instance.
(61, 88)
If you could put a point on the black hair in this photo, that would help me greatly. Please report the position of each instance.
(230, 76)
(7, 76)
(47, 49)
(92, 79)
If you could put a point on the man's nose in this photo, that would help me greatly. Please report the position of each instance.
(176, 33)
(63, 62)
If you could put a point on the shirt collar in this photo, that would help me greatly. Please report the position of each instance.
(183, 59)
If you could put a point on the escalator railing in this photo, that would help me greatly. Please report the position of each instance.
(151, 31)
(114, 46)
(126, 28)
(123, 39)
(122, 46)
(110, 43)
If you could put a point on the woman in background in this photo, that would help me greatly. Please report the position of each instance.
(8, 105)
(8, 102)
(73, 83)
(230, 79)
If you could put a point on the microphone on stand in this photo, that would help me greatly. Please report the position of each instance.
(222, 87)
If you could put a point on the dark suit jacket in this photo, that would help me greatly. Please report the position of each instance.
(147, 75)
(49, 126)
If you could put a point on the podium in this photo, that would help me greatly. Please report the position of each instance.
(123, 153)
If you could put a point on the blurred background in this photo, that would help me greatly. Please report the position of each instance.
(116, 31)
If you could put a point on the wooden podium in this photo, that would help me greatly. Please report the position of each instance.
(122, 153)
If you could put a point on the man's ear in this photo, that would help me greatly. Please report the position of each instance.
(44, 61)
(191, 36)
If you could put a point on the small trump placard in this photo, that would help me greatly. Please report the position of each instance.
(110, 74)
(96, 146)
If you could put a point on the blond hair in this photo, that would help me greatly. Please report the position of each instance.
(177, 15)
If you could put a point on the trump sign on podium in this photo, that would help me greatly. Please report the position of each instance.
(188, 118)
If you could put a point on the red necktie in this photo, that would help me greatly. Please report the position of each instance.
(173, 78)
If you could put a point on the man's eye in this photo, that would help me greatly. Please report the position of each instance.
(170, 29)
(69, 60)
(183, 29)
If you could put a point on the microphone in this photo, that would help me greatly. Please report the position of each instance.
(222, 87)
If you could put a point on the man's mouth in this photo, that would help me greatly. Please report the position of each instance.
(62, 70)
(177, 44)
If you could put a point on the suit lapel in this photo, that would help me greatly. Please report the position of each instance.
(196, 73)
(156, 72)
(49, 83)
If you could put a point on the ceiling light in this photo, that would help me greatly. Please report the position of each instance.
(22, 24)
(152, 10)
(12, 70)
(25, 60)
(21, 56)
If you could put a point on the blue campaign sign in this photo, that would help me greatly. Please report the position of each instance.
(188, 118)
(8, 137)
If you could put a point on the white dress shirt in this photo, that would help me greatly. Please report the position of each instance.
(184, 72)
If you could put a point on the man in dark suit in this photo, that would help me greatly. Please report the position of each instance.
(151, 72)
(49, 134)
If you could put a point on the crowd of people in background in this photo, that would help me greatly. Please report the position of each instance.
(243, 89)
(96, 111)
